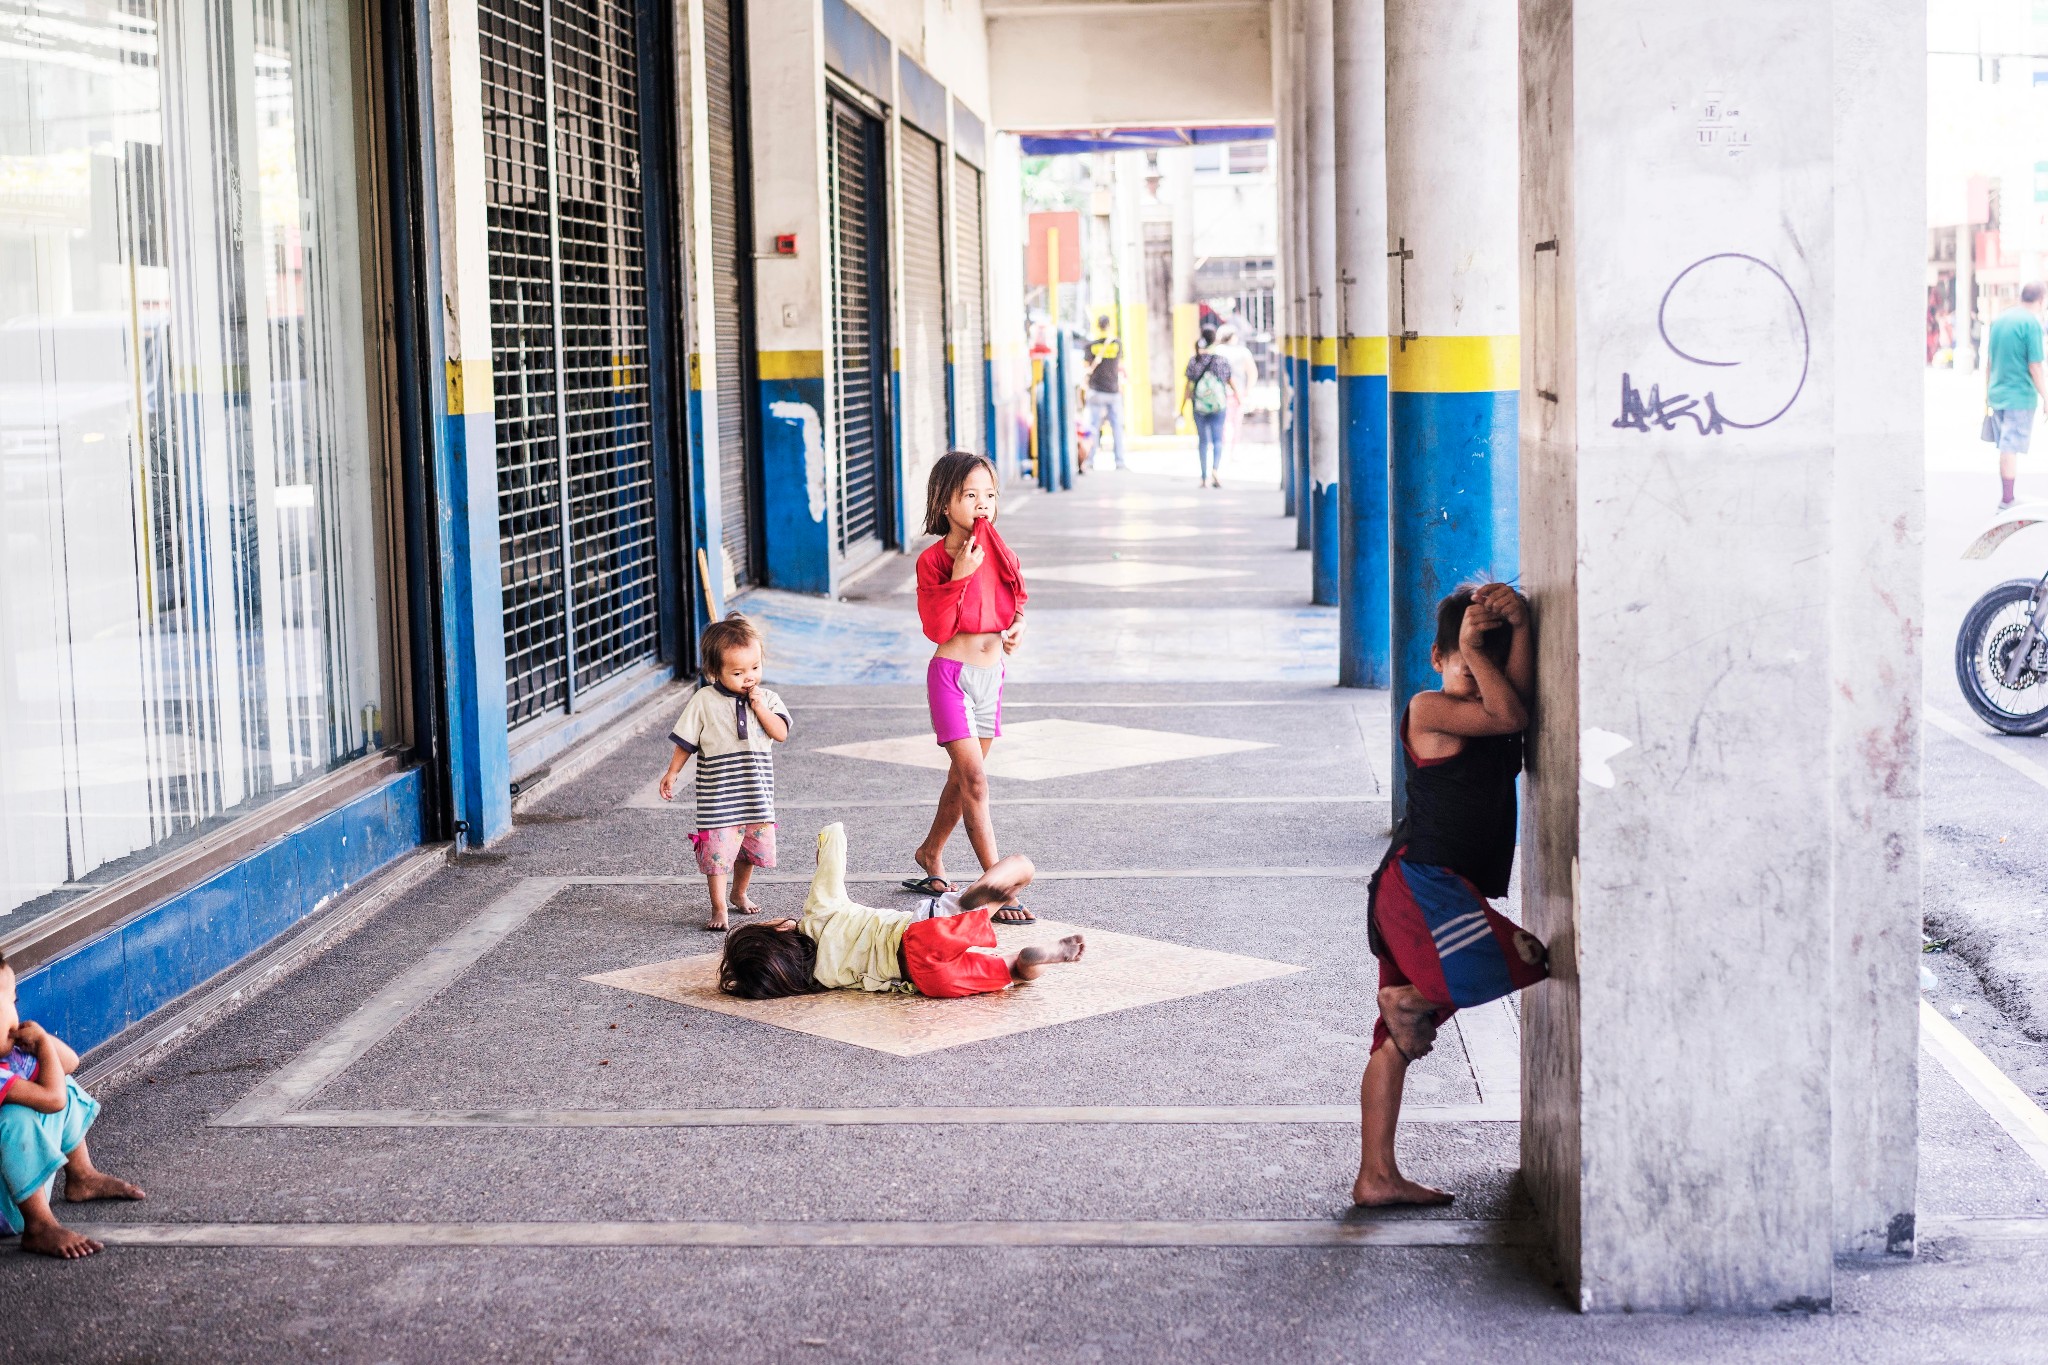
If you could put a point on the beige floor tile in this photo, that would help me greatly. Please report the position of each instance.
(1119, 972)
(1130, 573)
(1034, 750)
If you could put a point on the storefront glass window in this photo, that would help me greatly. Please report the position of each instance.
(188, 555)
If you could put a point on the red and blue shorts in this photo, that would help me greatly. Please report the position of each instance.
(1435, 932)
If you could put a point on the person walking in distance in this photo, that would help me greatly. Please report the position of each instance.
(1244, 372)
(1207, 391)
(1106, 388)
(2015, 384)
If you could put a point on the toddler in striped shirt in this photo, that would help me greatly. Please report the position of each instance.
(731, 726)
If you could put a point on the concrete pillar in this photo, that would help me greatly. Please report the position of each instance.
(1285, 266)
(792, 325)
(1322, 249)
(1879, 522)
(1300, 324)
(1360, 89)
(1721, 842)
(1451, 172)
(472, 608)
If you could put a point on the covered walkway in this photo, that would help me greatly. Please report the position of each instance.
(438, 1136)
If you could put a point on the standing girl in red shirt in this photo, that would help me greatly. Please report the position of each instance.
(970, 599)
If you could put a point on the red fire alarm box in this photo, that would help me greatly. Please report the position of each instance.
(785, 244)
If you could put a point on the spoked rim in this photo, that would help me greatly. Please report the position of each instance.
(2001, 634)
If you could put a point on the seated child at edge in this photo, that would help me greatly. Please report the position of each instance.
(1440, 945)
(931, 951)
(43, 1117)
(732, 725)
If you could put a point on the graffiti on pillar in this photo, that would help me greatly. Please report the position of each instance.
(1737, 315)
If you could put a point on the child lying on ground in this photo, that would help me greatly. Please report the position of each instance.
(931, 951)
(43, 1117)
(1440, 945)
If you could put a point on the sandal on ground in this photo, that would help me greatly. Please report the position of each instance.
(927, 886)
(1012, 914)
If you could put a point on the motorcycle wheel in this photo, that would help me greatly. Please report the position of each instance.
(1986, 641)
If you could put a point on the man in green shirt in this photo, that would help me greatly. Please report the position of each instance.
(2014, 383)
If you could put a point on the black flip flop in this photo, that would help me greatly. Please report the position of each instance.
(996, 916)
(928, 886)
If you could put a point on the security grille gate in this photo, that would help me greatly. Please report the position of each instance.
(970, 312)
(575, 435)
(860, 352)
(926, 422)
(731, 280)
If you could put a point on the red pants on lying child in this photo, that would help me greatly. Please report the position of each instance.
(940, 959)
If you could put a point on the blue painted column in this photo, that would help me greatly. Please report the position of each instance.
(1364, 641)
(1304, 504)
(1454, 292)
(1359, 98)
(1045, 457)
(1062, 412)
(989, 416)
(1286, 421)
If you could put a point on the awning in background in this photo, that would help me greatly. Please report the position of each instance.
(1137, 139)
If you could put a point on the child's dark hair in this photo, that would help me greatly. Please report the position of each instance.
(1450, 620)
(762, 962)
(734, 632)
(948, 474)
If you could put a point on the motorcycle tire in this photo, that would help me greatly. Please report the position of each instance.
(1979, 673)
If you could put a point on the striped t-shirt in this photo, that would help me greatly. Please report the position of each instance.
(735, 762)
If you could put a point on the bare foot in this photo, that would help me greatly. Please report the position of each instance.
(1393, 1191)
(716, 924)
(1035, 959)
(743, 906)
(98, 1185)
(54, 1239)
(1410, 1021)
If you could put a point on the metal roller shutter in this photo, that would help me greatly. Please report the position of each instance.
(731, 271)
(926, 422)
(860, 356)
(568, 346)
(970, 312)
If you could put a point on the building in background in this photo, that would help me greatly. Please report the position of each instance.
(1987, 167)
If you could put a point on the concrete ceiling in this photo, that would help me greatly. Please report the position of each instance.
(1058, 64)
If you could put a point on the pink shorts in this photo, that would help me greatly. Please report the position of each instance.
(966, 701)
(720, 850)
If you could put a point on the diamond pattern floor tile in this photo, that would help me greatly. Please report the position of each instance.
(1118, 972)
(1034, 750)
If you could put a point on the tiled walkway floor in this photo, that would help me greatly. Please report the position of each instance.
(503, 1120)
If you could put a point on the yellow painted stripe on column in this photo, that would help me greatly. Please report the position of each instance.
(1456, 365)
(1361, 356)
(790, 364)
(1324, 352)
(469, 382)
(696, 372)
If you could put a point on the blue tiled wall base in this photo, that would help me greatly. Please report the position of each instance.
(96, 990)
(792, 454)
